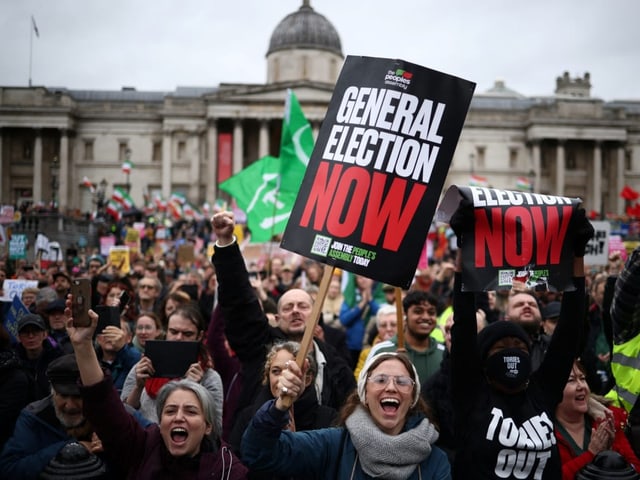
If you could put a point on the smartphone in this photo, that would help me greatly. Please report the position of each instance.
(81, 291)
(107, 316)
(125, 298)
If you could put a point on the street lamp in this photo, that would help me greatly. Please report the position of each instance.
(127, 167)
(100, 195)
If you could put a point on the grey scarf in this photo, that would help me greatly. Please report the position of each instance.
(392, 457)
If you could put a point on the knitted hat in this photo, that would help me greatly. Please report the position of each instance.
(607, 465)
(74, 462)
(364, 375)
(497, 330)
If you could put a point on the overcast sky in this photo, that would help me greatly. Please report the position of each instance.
(162, 44)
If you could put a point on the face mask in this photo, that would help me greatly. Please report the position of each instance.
(509, 368)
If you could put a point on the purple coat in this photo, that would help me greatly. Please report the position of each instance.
(141, 452)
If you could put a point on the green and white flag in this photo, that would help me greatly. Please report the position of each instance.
(267, 189)
(123, 198)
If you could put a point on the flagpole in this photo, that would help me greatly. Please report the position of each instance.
(30, 48)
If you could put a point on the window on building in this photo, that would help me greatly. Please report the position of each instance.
(88, 149)
(123, 150)
(571, 162)
(156, 155)
(513, 157)
(480, 157)
(182, 150)
(27, 150)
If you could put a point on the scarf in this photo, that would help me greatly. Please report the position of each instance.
(153, 385)
(393, 457)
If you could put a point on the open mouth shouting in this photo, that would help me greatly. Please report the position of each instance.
(179, 435)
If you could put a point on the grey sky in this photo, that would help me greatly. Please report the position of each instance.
(162, 44)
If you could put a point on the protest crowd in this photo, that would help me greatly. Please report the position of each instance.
(186, 352)
(73, 401)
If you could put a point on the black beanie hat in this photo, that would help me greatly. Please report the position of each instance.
(497, 330)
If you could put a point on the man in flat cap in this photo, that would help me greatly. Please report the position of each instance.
(45, 426)
(35, 351)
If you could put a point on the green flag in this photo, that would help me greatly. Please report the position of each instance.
(267, 189)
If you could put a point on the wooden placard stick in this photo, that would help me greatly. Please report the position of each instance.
(312, 322)
(399, 317)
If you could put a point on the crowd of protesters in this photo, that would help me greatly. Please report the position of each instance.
(358, 408)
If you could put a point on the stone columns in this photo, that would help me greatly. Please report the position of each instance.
(620, 167)
(166, 165)
(212, 161)
(37, 168)
(560, 169)
(238, 151)
(536, 164)
(63, 175)
(596, 199)
(263, 140)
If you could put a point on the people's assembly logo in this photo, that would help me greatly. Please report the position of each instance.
(398, 78)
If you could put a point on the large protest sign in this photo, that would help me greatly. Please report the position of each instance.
(514, 236)
(376, 173)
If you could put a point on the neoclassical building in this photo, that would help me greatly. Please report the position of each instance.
(190, 139)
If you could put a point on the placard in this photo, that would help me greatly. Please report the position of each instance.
(378, 167)
(514, 236)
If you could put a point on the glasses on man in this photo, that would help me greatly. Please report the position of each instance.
(402, 382)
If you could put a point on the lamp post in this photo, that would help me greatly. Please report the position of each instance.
(127, 167)
(100, 197)
(532, 180)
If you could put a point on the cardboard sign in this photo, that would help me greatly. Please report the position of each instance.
(515, 236)
(119, 258)
(14, 287)
(185, 254)
(18, 244)
(597, 251)
(7, 214)
(378, 167)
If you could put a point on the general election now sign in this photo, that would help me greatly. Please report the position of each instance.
(516, 236)
(378, 167)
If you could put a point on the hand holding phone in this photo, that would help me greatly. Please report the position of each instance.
(81, 291)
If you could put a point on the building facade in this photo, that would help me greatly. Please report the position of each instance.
(190, 139)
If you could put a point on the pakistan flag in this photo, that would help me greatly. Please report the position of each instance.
(267, 189)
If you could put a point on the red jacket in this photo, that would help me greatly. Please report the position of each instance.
(572, 463)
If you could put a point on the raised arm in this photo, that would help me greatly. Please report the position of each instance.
(246, 325)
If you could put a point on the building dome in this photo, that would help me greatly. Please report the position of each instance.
(305, 29)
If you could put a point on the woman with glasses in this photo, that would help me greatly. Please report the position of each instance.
(386, 430)
(147, 327)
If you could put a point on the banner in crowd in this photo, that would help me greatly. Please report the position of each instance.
(597, 251)
(376, 173)
(13, 315)
(13, 287)
(516, 236)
